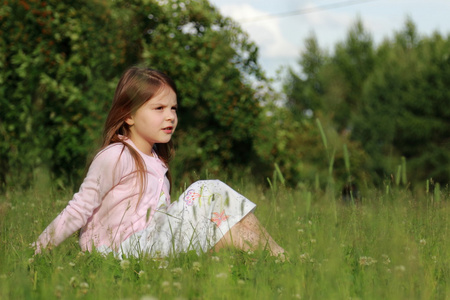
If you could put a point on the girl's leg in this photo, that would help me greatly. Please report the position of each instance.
(249, 234)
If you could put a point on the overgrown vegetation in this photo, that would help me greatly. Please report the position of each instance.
(60, 62)
(390, 100)
(390, 245)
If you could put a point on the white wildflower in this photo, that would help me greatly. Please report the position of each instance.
(412, 257)
(177, 271)
(222, 275)
(148, 297)
(177, 285)
(400, 268)
(72, 264)
(125, 264)
(423, 242)
(141, 273)
(196, 266)
(84, 285)
(215, 258)
(165, 284)
(163, 264)
(73, 281)
(366, 261)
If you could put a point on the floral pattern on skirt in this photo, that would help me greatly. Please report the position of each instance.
(202, 215)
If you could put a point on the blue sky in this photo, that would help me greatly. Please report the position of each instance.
(280, 40)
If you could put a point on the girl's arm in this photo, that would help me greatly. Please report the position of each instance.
(103, 174)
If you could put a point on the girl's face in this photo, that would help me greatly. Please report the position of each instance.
(155, 121)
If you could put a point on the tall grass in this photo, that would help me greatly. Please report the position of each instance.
(392, 245)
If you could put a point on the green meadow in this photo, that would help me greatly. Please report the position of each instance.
(391, 244)
(378, 105)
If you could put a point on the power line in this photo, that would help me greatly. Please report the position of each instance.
(304, 11)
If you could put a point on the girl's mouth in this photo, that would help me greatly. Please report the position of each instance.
(168, 129)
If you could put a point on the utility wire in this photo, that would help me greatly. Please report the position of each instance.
(304, 11)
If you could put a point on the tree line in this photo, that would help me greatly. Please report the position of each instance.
(60, 62)
(392, 99)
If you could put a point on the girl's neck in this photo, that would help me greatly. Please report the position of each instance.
(147, 153)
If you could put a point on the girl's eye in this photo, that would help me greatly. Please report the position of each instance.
(175, 108)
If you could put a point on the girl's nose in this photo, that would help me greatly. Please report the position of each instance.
(171, 116)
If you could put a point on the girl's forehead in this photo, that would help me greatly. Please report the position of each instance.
(165, 93)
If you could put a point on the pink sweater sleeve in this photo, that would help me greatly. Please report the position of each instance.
(103, 174)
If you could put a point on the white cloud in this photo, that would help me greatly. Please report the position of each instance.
(281, 40)
(267, 35)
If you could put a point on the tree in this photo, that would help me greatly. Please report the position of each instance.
(333, 84)
(390, 99)
(60, 63)
(405, 111)
(213, 63)
(352, 62)
(304, 92)
(56, 83)
(328, 87)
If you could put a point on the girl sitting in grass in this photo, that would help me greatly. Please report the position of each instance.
(123, 205)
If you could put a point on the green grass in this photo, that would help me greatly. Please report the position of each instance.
(393, 245)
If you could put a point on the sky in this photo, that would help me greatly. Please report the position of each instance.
(280, 27)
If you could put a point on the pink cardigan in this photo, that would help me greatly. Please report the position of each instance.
(106, 206)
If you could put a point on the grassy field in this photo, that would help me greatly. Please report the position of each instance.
(392, 245)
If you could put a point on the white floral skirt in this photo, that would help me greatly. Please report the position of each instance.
(197, 221)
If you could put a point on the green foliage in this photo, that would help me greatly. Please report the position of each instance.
(56, 84)
(60, 63)
(296, 144)
(303, 93)
(332, 84)
(353, 62)
(404, 106)
(390, 99)
(212, 62)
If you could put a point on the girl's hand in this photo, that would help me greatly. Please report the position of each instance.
(36, 247)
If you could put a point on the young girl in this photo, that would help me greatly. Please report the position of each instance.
(123, 205)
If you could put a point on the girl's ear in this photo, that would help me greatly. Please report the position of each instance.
(129, 121)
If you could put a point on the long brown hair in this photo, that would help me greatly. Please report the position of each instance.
(136, 86)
